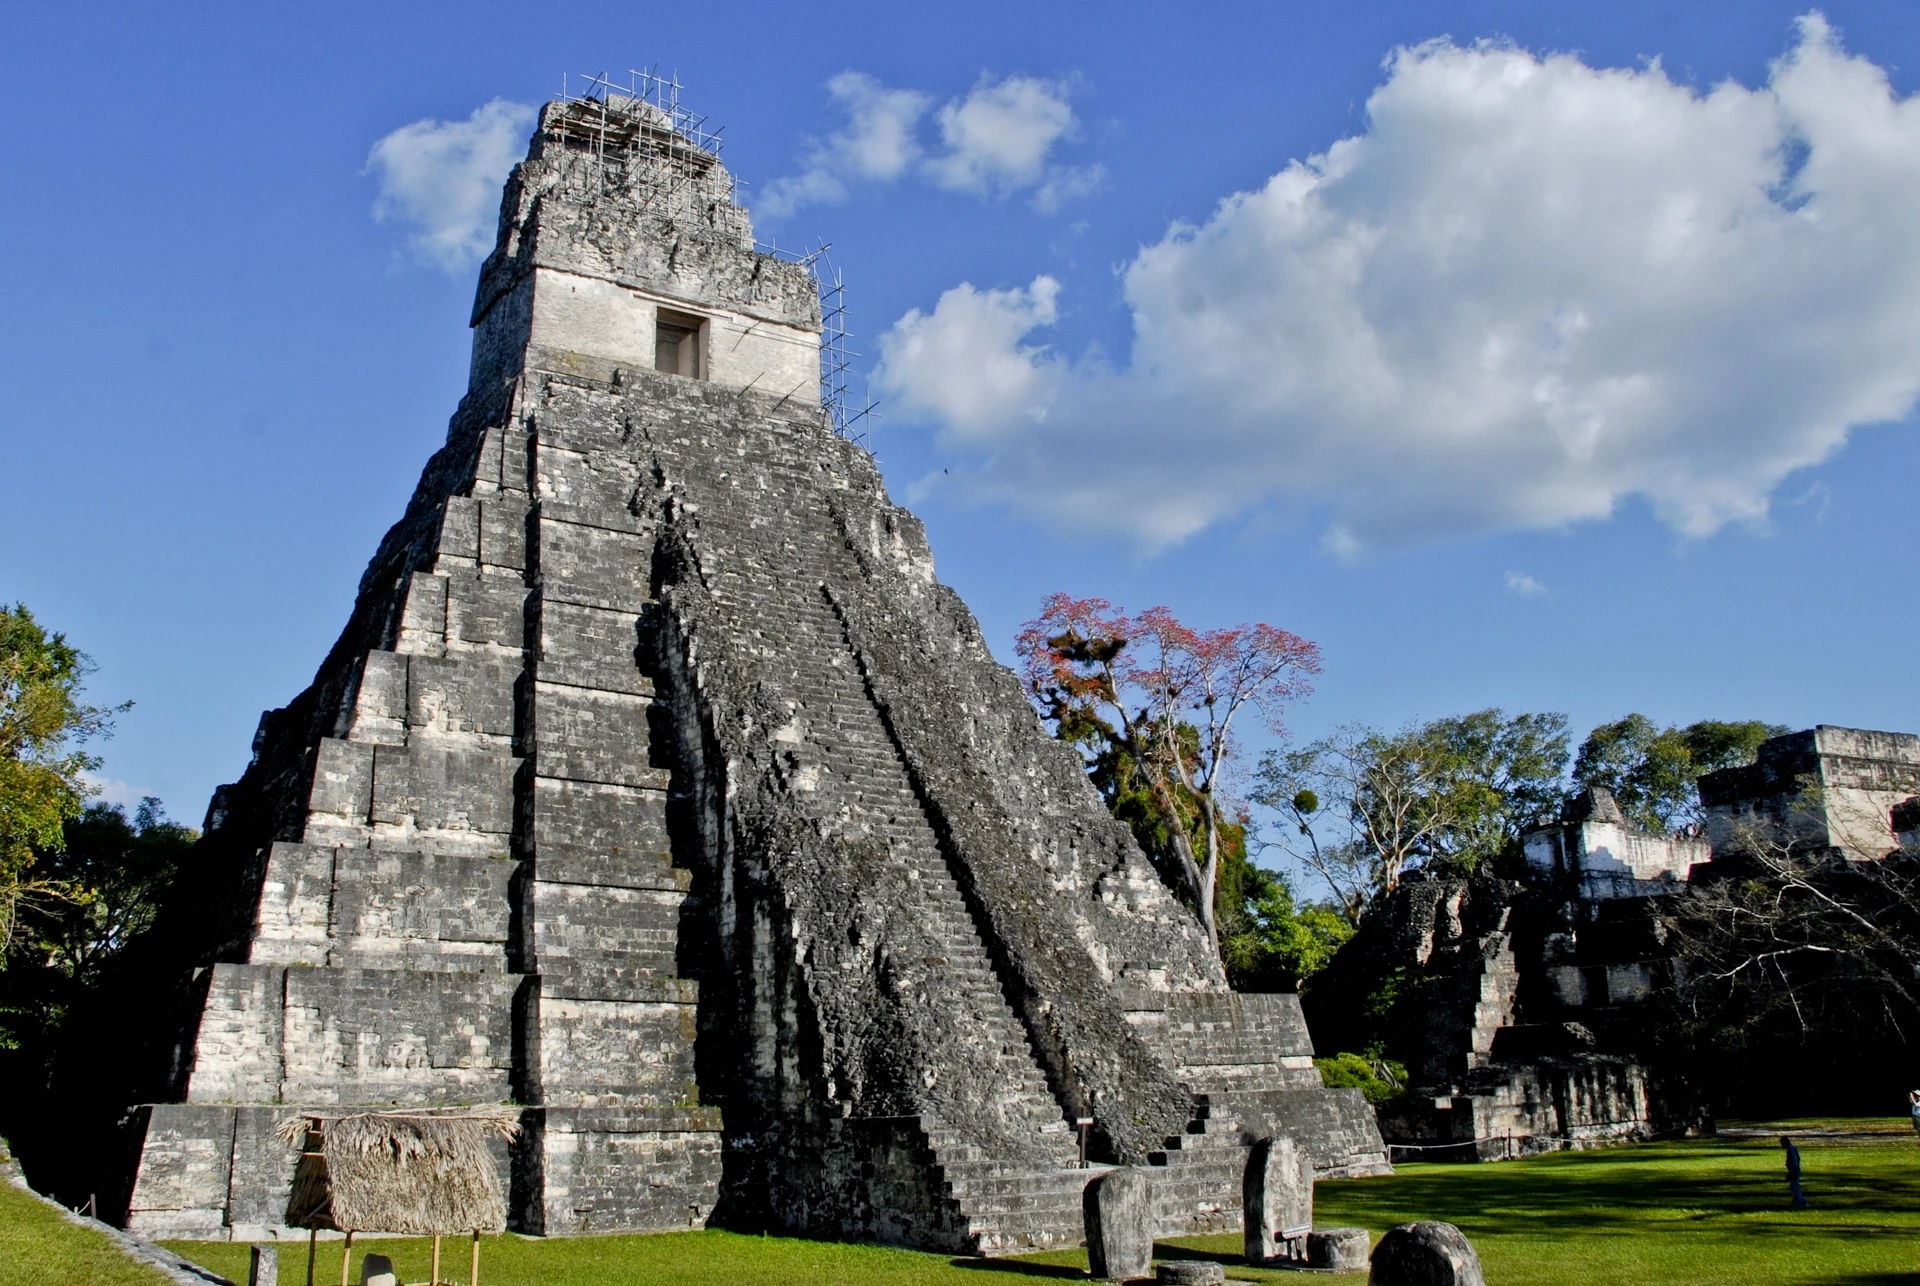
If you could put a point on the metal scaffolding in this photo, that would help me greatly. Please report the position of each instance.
(645, 140)
(851, 419)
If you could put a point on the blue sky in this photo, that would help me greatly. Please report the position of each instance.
(1671, 491)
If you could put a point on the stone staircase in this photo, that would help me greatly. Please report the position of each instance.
(843, 755)
(1199, 1171)
(1007, 1208)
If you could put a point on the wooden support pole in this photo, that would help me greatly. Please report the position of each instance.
(436, 1259)
(346, 1255)
(313, 1241)
(475, 1281)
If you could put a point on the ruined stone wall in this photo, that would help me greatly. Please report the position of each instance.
(1825, 787)
(1598, 854)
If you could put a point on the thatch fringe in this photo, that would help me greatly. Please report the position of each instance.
(415, 1172)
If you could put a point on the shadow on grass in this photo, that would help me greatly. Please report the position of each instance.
(1625, 1191)
(1023, 1268)
(1163, 1250)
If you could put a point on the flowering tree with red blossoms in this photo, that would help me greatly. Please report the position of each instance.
(1165, 697)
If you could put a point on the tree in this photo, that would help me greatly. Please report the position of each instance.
(1654, 772)
(1268, 940)
(1805, 962)
(1152, 704)
(112, 872)
(43, 723)
(1454, 794)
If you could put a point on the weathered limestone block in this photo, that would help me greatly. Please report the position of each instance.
(593, 566)
(1277, 1201)
(633, 931)
(598, 833)
(1118, 1207)
(443, 798)
(459, 544)
(600, 1169)
(503, 532)
(380, 704)
(419, 910)
(502, 466)
(1337, 1128)
(1190, 1272)
(574, 419)
(1428, 1253)
(296, 899)
(263, 1266)
(341, 798)
(180, 1189)
(613, 1052)
(585, 734)
(236, 1057)
(596, 487)
(377, 1270)
(590, 647)
(353, 1036)
(485, 612)
(261, 1171)
(423, 617)
(470, 696)
(1222, 1039)
(1337, 1250)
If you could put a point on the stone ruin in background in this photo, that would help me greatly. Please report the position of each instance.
(1536, 1019)
(657, 787)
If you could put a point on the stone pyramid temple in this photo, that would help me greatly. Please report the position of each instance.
(657, 788)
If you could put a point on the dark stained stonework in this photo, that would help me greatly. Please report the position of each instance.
(1526, 1010)
(656, 786)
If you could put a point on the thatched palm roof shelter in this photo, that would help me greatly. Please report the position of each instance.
(421, 1172)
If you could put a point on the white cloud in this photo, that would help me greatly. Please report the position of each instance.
(999, 136)
(1530, 290)
(442, 179)
(997, 140)
(966, 357)
(111, 790)
(1524, 585)
(1066, 183)
(879, 144)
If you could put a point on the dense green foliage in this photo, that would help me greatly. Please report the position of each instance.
(112, 871)
(1268, 940)
(1703, 1213)
(1378, 1078)
(1653, 771)
(43, 723)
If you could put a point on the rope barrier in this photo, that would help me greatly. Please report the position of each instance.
(1506, 1140)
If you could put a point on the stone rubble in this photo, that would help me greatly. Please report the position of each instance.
(1337, 1250)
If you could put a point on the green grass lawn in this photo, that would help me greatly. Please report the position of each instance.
(39, 1248)
(1697, 1213)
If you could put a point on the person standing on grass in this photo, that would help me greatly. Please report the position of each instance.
(1793, 1173)
(1913, 1108)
